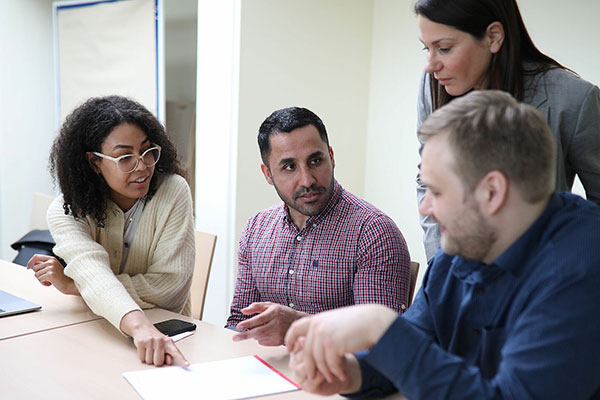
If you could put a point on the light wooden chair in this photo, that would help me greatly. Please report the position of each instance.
(414, 273)
(39, 207)
(205, 248)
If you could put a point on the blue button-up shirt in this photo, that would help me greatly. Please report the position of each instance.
(525, 326)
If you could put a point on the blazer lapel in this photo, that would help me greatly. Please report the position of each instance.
(536, 93)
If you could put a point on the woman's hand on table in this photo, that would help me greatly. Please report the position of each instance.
(153, 346)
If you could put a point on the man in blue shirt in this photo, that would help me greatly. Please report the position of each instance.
(509, 306)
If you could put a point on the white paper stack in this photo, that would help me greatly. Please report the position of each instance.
(236, 378)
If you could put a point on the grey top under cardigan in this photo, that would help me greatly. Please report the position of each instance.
(571, 106)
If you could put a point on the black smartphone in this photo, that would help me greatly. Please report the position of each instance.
(172, 327)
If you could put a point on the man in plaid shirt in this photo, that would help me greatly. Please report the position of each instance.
(322, 248)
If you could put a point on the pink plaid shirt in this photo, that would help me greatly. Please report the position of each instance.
(351, 253)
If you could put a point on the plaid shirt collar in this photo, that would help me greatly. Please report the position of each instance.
(315, 219)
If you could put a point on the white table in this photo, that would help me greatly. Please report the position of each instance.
(66, 352)
(86, 360)
(58, 310)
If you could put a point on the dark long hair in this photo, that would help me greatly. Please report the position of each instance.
(507, 68)
(85, 192)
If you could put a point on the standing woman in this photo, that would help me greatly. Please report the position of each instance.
(483, 44)
(123, 223)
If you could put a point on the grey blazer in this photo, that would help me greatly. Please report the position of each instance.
(571, 106)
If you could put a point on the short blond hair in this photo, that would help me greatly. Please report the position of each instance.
(489, 130)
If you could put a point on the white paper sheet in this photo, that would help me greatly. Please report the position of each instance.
(236, 378)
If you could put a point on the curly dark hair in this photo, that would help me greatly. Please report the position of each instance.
(85, 192)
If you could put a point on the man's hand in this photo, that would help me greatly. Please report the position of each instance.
(153, 346)
(317, 383)
(51, 272)
(269, 326)
(329, 336)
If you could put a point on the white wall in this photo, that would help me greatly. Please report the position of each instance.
(27, 110)
(216, 143)
(392, 145)
(566, 31)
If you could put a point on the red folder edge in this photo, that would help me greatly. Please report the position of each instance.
(276, 371)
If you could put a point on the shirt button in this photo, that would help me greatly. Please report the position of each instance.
(291, 305)
(403, 306)
(299, 237)
(314, 225)
(291, 272)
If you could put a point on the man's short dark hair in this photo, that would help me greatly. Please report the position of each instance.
(285, 121)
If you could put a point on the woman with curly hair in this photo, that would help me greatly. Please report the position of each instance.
(124, 222)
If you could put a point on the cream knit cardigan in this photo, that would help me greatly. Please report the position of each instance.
(160, 264)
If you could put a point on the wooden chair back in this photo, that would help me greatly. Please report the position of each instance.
(39, 207)
(414, 273)
(205, 248)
